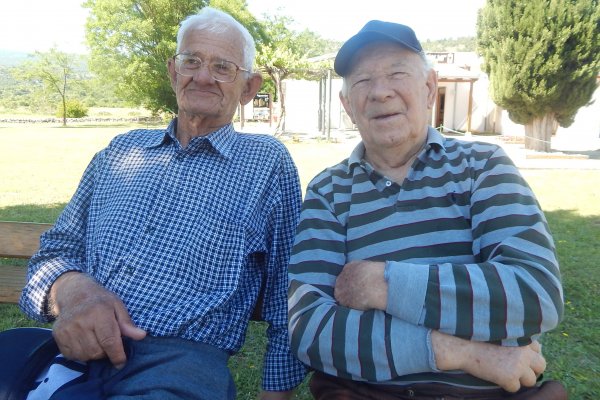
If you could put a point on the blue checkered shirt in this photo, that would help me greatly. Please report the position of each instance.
(185, 236)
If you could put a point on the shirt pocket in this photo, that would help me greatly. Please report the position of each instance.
(215, 254)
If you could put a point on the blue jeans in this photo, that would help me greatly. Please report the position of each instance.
(161, 369)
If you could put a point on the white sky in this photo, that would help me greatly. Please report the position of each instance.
(29, 25)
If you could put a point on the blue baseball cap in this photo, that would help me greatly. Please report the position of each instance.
(375, 31)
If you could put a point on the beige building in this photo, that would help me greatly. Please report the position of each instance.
(462, 104)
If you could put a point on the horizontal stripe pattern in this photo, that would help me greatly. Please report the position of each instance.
(466, 217)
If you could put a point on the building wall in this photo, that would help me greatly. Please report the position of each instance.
(306, 100)
(302, 106)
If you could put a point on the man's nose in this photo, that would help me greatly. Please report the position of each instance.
(381, 89)
(203, 73)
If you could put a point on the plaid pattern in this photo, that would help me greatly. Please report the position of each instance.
(467, 250)
(185, 237)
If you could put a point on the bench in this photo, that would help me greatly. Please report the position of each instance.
(17, 240)
(22, 240)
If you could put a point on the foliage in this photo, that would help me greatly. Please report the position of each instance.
(23, 92)
(131, 41)
(466, 43)
(55, 74)
(542, 57)
(73, 109)
(286, 55)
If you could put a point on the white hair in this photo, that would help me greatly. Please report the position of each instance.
(427, 66)
(217, 21)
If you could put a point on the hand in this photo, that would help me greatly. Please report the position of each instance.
(90, 320)
(265, 395)
(361, 285)
(508, 367)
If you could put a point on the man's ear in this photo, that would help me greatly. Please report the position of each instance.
(251, 87)
(432, 84)
(172, 74)
(347, 107)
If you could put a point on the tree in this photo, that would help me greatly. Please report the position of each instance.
(542, 58)
(131, 41)
(58, 72)
(465, 43)
(285, 55)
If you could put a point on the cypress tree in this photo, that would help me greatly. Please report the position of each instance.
(542, 58)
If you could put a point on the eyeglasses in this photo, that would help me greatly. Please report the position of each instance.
(220, 70)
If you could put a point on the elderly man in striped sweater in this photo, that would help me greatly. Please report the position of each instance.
(423, 266)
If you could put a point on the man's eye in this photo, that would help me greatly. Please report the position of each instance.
(398, 75)
(191, 62)
(360, 83)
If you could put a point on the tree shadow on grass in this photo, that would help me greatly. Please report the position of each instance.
(573, 349)
(591, 154)
(44, 213)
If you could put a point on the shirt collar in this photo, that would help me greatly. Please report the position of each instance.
(435, 141)
(221, 140)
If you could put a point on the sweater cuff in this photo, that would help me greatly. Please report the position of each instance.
(407, 287)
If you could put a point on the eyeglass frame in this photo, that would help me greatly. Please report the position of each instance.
(203, 63)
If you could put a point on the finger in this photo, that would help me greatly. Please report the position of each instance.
(108, 335)
(65, 345)
(511, 386)
(129, 329)
(538, 364)
(528, 378)
(113, 348)
(88, 347)
(70, 340)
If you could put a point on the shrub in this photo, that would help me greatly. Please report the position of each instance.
(75, 109)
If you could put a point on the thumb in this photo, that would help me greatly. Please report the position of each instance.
(127, 326)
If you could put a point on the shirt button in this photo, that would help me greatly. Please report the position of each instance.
(129, 270)
(388, 183)
(150, 229)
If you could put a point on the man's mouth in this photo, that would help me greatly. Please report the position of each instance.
(385, 116)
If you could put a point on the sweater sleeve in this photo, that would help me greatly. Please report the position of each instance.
(359, 345)
(513, 291)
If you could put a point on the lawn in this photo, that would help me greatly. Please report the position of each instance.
(41, 165)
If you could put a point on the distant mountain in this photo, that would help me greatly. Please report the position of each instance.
(10, 58)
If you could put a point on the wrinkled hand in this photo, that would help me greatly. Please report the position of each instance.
(361, 285)
(508, 367)
(90, 320)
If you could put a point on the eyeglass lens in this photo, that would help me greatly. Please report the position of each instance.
(220, 70)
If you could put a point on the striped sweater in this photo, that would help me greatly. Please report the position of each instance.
(467, 249)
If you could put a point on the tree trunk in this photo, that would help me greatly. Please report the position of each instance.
(281, 96)
(64, 96)
(538, 133)
(64, 105)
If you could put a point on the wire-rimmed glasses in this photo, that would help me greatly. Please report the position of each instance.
(221, 70)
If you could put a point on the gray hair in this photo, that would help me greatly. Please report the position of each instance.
(427, 66)
(217, 21)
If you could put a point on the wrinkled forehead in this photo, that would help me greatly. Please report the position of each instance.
(227, 45)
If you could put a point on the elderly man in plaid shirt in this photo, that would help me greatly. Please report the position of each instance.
(153, 269)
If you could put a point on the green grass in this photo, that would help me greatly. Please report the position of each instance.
(40, 167)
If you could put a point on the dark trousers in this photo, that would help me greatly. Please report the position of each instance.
(327, 387)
